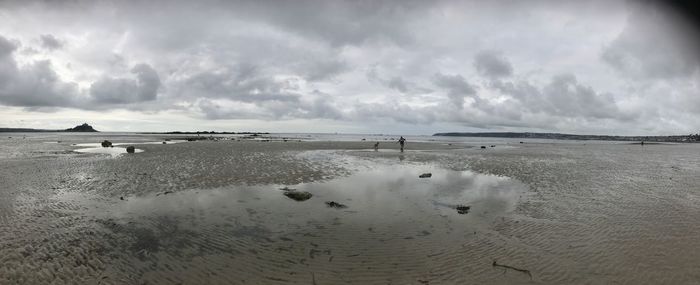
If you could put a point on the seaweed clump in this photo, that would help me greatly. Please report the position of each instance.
(461, 209)
(334, 204)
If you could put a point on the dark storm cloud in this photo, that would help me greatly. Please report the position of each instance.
(492, 64)
(50, 42)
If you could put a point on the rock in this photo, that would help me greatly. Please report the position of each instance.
(164, 142)
(106, 143)
(425, 175)
(336, 205)
(130, 149)
(483, 146)
(521, 142)
(121, 198)
(462, 209)
(298, 196)
(493, 146)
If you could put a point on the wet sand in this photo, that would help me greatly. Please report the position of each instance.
(213, 212)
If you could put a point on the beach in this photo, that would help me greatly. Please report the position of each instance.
(217, 211)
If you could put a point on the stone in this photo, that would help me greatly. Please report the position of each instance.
(425, 175)
(130, 149)
(333, 204)
(298, 196)
(106, 143)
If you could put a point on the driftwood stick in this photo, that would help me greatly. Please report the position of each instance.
(506, 267)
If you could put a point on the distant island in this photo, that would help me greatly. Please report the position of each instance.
(84, 128)
(558, 136)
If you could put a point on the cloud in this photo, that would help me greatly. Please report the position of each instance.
(50, 42)
(336, 22)
(395, 83)
(655, 44)
(598, 65)
(492, 64)
(144, 87)
(457, 88)
(241, 83)
(6, 47)
(33, 85)
(319, 70)
(566, 97)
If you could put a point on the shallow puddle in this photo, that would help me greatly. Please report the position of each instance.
(114, 151)
(384, 191)
(97, 144)
(392, 222)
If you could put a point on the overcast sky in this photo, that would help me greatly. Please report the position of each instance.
(398, 67)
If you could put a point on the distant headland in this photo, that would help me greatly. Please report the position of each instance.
(558, 136)
(84, 128)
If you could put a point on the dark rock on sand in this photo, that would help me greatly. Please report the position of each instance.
(336, 205)
(106, 143)
(130, 149)
(462, 209)
(483, 146)
(425, 175)
(298, 196)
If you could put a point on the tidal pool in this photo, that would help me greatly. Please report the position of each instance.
(396, 227)
(114, 151)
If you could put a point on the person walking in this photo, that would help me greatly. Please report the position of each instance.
(402, 141)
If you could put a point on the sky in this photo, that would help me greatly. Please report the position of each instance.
(391, 67)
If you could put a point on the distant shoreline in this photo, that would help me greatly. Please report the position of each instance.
(558, 136)
(84, 128)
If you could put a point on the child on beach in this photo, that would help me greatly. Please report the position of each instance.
(401, 142)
